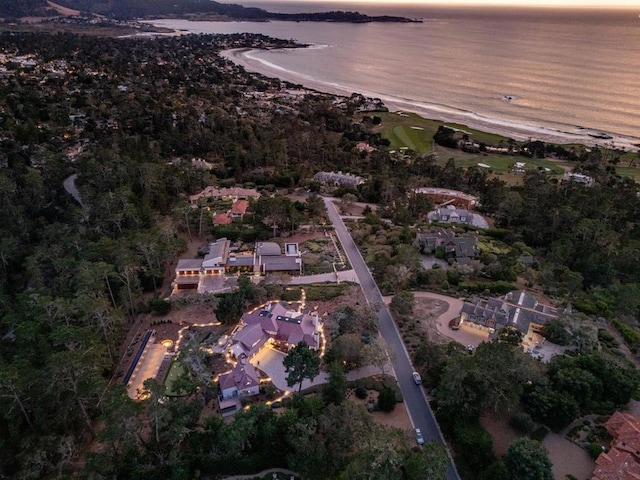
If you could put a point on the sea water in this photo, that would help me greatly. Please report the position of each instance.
(571, 70)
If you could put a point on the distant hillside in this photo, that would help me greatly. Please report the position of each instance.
(127, 9)
(23, 8)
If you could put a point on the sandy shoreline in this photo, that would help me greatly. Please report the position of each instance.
(247, 58)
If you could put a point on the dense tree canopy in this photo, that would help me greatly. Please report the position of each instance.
(126, 116)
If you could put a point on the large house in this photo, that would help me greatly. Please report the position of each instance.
(444, 195)
(233, 193)
(268, 257)
(338, 179)
(449, 214)
(578, 178)
(274, 324)
(460, 248)
(622, 461)
(517, 309)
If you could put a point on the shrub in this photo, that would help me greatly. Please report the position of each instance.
(387, 399)
(292, 295)
(555, 330)
(594, 450)
(629, 334)
(160, 307)
(498, 287)
(474, 444)
(539, 433)
(522, 422)
(268, 389)
(325, 292)
(361, 393)
(605, 336)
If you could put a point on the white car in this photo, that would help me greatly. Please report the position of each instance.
(416, 378)
(419, 437)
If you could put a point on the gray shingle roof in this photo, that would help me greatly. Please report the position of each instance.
(517, 309)
(281, 263)
(189, 264)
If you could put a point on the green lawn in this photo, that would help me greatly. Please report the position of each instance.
(414, 132)
(174, 372)
(398, 130)
(409, 130)
(631, 172)
(402, 136)
(497, 163)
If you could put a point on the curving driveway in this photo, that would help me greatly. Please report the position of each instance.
(269, 361)
(466, 335)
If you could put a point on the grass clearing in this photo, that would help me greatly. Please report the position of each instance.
(417, 140)
(174, 372)
(631, 172)
(497, 163)
(412, 131)
(497, 248)
(409, 130)
(325, 291)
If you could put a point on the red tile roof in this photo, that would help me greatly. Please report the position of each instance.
(239, 207)
(616, 465)
(222, 219)
(622, 462)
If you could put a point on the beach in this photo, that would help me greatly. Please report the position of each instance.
(250, 61)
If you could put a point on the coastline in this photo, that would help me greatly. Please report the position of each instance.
(518, 131)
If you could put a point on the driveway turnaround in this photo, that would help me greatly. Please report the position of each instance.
(269, 361)
(414, 398)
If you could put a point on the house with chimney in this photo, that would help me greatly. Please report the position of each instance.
(517, 309)
(243, 381)
(276, 325)
(459, 248)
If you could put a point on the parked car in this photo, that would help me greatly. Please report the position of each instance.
(419, 437)
(416, 378)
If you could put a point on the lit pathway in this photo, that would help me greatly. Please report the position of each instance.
(147, 367)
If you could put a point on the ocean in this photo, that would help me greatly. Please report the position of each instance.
(567, 71)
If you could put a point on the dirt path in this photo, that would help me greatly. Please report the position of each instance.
(567, 457)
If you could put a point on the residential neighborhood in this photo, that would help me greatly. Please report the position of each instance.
(206, 272)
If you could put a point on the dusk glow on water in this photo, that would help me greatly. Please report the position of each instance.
(569, 70)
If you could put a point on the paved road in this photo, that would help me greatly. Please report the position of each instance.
(414, 398)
